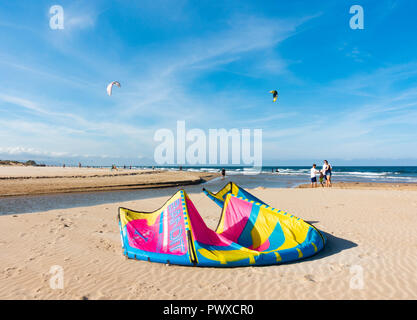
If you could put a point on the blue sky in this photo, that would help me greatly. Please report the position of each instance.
(345, 95)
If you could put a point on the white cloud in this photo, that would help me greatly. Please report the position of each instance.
(30, 151)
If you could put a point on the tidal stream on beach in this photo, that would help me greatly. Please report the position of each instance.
(286, 178)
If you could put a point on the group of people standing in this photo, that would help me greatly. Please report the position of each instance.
(325, 175)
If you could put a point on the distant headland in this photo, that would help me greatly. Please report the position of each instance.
(20, 163)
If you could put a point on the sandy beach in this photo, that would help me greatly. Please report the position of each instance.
(367, 185)
(370, 231)
(19, 180)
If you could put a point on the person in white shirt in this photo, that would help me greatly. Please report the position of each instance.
(313, 177)
(327, 168)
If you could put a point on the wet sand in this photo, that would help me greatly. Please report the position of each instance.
(20, 181)
(367, 185)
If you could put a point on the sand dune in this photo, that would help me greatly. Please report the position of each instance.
(369, 231)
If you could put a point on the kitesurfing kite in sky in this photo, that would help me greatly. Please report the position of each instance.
(274, 94)
(110, 87)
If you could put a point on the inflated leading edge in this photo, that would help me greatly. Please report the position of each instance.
(249, 233)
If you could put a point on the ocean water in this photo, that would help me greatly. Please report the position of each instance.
(287, 177)
(298, 174)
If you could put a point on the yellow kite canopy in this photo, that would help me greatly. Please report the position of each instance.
(274, 95)
(249, 233)
(232, 188)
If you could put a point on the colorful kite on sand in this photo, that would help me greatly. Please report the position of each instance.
(249, 233)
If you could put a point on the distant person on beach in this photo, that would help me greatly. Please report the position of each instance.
(321, 178)
(329, 175)
(79, 164)
(327, 168)
(313, 177)
(223, 173)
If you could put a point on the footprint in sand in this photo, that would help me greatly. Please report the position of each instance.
(105, 244)
(35, 292)
(12, 271)
(309, 277)
(59, 237)
(337, 267)
(219, 287)
(368, 254)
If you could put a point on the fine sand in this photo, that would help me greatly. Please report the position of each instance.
(20, 180)
(367, 185)
(371, 252)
